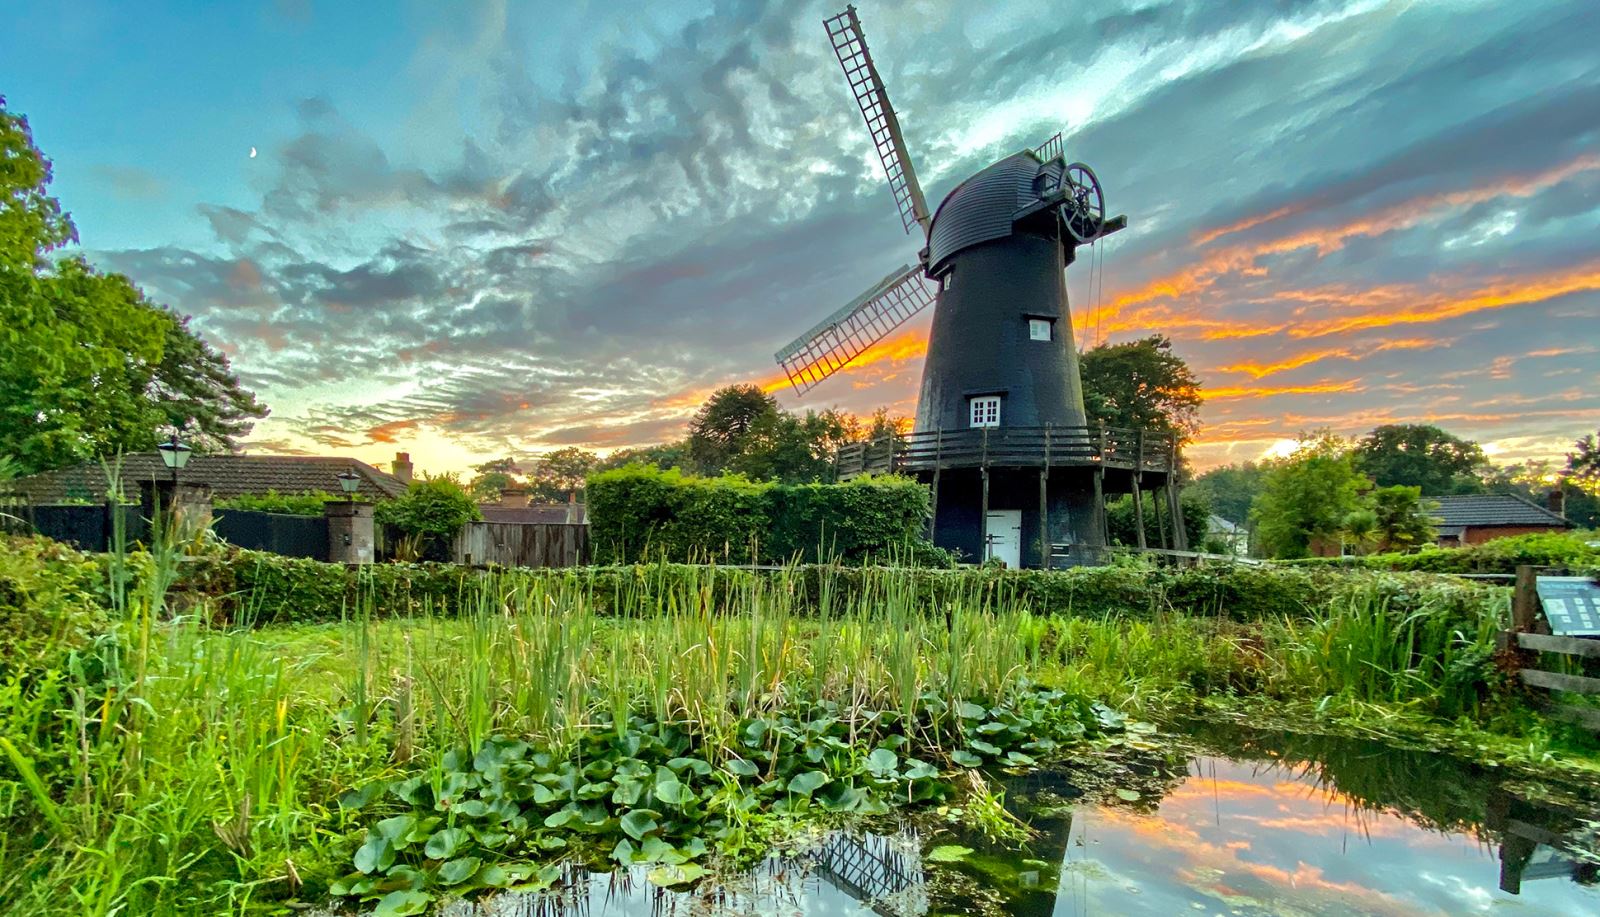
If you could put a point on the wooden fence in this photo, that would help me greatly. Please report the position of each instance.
(519, 544)
(1530, 636)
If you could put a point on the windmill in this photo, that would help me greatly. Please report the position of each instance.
(1000, 411)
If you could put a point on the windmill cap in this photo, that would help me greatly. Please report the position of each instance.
(984, 207)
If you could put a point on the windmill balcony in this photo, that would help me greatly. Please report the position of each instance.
(1117, 451)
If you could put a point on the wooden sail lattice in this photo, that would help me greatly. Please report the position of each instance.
(850, 45)
(848, 333)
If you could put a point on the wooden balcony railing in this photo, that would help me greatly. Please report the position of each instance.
(1026, 447)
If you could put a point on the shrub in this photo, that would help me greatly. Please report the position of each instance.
(433, 507)
(52, 601)
(309, 503)
(643, 513)
(1573, 550)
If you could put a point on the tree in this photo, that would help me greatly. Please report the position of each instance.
(198, 394)
(1306, 497)
(1421, 455)
(663, 456)
(719, 430)
(1141, 384)
(493, 477)
(1121, 526)
(1403, 520)
(1583, 462)
(560, 474)
(1229, 489)
(88, 365)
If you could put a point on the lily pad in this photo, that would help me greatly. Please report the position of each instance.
(947, 853)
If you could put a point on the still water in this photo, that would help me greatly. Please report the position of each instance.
(1245, 823)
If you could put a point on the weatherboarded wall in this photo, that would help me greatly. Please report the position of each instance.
(522, 545)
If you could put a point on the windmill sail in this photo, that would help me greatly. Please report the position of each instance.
(847, 333)
(844, 30)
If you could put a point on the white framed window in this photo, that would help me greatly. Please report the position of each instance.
(985, 411)
(1040, 329)
(945, 279)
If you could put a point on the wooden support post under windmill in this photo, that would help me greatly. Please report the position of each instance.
(1138, 497)
(1180, 535)
(1161, 523)
(983, 511)
(933, 504)
(1100, 479)
(1044, 505)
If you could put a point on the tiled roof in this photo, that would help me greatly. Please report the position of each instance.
(229, 476)
(536, 513)
(1493, 509)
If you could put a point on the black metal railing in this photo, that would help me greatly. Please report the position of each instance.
(980, 447)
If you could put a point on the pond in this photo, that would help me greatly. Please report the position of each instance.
(1233, 822)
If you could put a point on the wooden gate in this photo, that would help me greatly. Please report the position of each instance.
(517, 544)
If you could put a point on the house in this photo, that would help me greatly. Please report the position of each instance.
(514, 506)
(228, 474)
(1466, 519)
(1230, 533)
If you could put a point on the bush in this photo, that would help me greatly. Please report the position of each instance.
(309, 503)
(434, 507)
(1572, 550)
(52, 601)
(643, 513)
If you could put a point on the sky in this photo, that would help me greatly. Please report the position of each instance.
(473, 230)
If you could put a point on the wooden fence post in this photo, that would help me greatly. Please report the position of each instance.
(1525, 601)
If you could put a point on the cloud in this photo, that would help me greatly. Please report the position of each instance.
(575, 246)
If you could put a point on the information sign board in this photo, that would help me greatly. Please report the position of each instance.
(1571, 605)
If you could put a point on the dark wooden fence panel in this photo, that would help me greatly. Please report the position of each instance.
(279, 533)
(87, 528)
(512, 544)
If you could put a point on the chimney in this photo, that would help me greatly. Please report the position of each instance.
(401, 467)
(1557, 501)
(515, 495)
(572, 506)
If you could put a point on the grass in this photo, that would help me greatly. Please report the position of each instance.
(194, 769)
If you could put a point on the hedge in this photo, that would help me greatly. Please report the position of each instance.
(258, 588)
(1578, 551)
(644, 513)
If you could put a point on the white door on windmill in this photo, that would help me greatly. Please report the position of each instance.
(1004, 536)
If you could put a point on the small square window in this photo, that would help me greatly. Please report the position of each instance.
(985, 411)
(1040, 329)
(945, 280)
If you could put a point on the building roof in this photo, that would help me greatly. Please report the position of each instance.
(984, 207)
(1462, 510)
(1222, 526)
(537, 513)
(228, 474)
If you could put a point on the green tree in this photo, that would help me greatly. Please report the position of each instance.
(1229, 489)
(1421, 455)
(1403, 518)
(1122, 529)
(560, 474)
(1583, 462)
(492, 478)
(662, 455)
(1359, 531)
(719, 432)
(1141, 384)
(89, 366)
(1306, 497)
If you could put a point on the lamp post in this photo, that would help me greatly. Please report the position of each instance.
(349, 482)
(174, 455)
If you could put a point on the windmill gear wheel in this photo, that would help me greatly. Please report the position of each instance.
(1084, 210)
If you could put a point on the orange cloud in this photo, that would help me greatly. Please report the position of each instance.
(388, 432)
(1312, 388)
(1258, 370)
(1243, 257)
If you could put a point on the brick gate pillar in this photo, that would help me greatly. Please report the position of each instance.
(349, 531)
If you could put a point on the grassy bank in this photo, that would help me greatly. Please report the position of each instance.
(164, 760)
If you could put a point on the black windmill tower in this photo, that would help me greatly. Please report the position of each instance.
(1001, 435)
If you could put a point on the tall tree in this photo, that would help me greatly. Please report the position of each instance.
(1404, 518)
(560, 475)
(1421, 455)
(88, 365)
(1141, 384)
(1583, 462)
(1229, 489)
(490, 479)
(1306, 497)
(720, 429)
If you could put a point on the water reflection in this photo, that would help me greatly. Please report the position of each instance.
(1258, 823)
